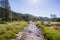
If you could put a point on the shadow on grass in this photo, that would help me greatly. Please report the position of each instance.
(2, 22)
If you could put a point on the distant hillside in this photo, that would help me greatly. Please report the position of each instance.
(44, 18)
(17, 16)
(20, 16)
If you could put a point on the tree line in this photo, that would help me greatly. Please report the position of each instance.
(6, 15)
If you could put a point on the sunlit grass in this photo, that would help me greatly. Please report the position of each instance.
(8, 30)
(51, 33)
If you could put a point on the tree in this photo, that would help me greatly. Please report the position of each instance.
(53, 17)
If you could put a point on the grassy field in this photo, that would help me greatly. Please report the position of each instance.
(50, 32)
(8, 30)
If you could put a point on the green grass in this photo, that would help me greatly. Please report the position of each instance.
(8, 30)
(51, 33)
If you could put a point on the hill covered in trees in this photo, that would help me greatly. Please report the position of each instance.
(26, 17)
(19, 16)
(16, 16)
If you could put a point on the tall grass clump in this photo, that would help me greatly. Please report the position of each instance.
(50, 32)
(8, 30)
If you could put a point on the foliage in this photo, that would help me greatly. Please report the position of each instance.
(57, 19)
(51, 33)
(8, 31)
(5, 14)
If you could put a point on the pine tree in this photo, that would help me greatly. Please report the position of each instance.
(6, 9)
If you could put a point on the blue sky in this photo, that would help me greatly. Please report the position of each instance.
(36, 7)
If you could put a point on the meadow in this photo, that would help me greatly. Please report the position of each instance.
(50, 32)
(8, 30)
